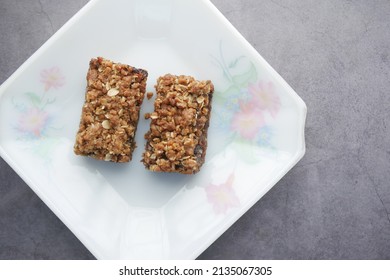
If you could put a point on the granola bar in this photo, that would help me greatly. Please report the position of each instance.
(110, 113)
(177, 139)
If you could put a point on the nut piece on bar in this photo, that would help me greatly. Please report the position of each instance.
(110, 113)
(177, 139)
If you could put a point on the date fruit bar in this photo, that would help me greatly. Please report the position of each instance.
(110, 113)
(177, 139)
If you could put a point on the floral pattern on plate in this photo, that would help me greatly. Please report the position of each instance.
(222, 196)
(243, 114)
(247, 105)
(35, 123)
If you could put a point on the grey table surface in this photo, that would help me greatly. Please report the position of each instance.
(334, 204)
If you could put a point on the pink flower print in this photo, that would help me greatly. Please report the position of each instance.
(52, 78)
(222, 196)
(33, 122)
(248, 120)
(264, 97)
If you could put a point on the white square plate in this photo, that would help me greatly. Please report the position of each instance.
(122, 211)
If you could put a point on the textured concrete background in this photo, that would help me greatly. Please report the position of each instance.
(335, 204)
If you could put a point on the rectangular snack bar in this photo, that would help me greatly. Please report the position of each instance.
(177, 139)
(110, 113)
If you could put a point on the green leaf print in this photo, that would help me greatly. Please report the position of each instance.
(247, 77)
(234, 62)
(34, 98)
